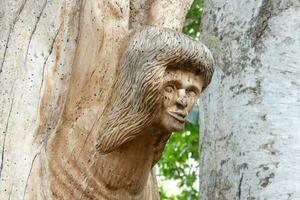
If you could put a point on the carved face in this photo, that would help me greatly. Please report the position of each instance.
(180, 91)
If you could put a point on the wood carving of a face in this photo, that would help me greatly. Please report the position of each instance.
(180, 91)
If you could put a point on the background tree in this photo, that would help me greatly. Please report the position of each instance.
(250, 117)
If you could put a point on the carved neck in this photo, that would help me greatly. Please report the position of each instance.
(127, 168)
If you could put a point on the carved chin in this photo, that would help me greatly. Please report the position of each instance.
(172, 123)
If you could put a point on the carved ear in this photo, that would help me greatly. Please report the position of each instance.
(136, 93)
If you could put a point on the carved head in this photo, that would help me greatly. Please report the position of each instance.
(162, 73)
(180, 90)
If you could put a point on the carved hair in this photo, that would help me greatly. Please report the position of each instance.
(136, 94)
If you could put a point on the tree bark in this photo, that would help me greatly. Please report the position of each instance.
(250, 138)
(58, 61)
(38, 40)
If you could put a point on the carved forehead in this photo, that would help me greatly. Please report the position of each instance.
(184, 77)
(177, 73)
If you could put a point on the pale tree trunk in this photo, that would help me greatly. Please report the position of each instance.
(58, 60)
(250, 121)
(38, 40)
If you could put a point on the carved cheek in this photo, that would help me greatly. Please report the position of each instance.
(167, 100)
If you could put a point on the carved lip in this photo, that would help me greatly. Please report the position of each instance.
(179, 116)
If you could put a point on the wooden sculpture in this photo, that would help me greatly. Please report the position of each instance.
(161, 75)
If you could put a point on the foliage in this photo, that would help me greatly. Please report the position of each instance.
(193, 19)
(182, 149)
(174, 165)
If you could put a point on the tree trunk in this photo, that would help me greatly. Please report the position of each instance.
(58, 61)
(250, 136)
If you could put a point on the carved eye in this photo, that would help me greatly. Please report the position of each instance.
(191, 93)
(170, 88)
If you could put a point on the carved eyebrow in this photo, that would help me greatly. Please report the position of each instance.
(192, 87)
(175, 82)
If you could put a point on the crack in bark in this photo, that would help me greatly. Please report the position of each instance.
(79, 6)
(34, 29)
(240, 186)
(12, 27)
(32, 163)
(10, 192)
(263, 17)
(4, 139)
(5, 49)
(267, 10)
(50, 52)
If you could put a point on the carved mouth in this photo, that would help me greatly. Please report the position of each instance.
(179, 116)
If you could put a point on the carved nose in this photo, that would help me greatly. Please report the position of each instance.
(181, 100)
